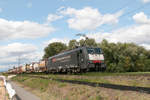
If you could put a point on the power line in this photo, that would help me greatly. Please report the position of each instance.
(122, 7)
(19, 60)
(143, 6)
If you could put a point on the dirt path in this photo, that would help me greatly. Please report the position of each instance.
(22, 94)
(3, 92)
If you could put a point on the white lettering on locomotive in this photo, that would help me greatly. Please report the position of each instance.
(60, 59)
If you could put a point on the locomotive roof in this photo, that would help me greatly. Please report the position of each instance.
(67, 52)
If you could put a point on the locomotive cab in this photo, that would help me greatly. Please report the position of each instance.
(95, 59)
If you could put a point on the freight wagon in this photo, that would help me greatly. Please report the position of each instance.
(81, 59)
(23, 68)
(29, 68)
(42, 65)
(36, 67)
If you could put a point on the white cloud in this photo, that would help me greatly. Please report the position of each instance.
(147, 46)
(29, 4)
(23, 29)
(89, 18)
(53, 17)
(146, 1)
(141, 18)
(138, 34)
(12, 52)
(16, 49)
(1, 10)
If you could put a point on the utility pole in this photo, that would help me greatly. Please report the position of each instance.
(18, 60)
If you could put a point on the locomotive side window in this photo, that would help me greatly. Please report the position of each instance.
(80, 51)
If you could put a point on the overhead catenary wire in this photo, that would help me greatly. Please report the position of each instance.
(120, 8)
(129, 12)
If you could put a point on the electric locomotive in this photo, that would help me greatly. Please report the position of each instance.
(81, 59)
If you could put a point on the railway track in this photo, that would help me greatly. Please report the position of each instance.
(95, 84)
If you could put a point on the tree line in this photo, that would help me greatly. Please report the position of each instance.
(119, 57)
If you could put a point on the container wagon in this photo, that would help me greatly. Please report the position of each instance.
(36, 67)
(42, 65)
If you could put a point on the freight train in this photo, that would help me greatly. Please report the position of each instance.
(81, 59)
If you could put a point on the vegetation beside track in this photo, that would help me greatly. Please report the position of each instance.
(88, 86)
(127, 79)
(54, 90)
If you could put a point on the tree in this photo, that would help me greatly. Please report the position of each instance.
(125, 57)
(53, 49)
(88, 42)
(72, 44)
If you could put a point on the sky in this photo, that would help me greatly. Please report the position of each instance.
(28, 26)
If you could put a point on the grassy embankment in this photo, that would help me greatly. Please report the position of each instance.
(74, 87)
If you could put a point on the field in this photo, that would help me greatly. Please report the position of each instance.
(89, 86)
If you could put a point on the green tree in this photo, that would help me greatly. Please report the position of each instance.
(125, 57)
(53, 49)
(88, 42)
(72, 44)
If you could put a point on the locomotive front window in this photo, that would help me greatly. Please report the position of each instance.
(90, 50)
(97, 50)
(93, 50)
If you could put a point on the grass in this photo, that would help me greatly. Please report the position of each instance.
(34, 83)
(93, 74)
(61, 85)
(52, 89)
(115, 74)
(55, 90)
(5, 74)
(99, 77)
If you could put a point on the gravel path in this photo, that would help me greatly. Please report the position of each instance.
(22, 94)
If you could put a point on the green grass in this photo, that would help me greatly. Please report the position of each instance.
(51, 85)
(61, 85)
(99, 98)
(34, 83)
(95, 74)
(5, 74)
(91, 77)
(97, 77)
(114, 74)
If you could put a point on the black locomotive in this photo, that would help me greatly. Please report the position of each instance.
(81, 59)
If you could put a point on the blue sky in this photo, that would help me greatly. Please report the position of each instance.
(27, 26)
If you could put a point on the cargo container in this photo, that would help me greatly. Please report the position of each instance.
(42, 65)
(23, 69)
(29, 68)
(36, 67)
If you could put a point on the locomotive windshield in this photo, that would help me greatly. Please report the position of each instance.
(94, 50)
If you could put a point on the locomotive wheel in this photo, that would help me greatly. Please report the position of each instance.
(69, 71)
(78, 70)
